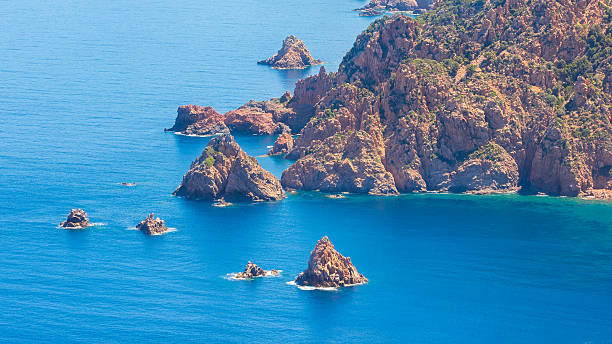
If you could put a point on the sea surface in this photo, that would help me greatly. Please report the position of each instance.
(86, 89)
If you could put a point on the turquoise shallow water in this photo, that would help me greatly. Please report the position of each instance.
(86, 89)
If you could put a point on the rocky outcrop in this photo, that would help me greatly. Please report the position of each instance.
(197, 120)
(77, 219)
(283, 145)
(378, 6)
(329, 269)
(370, 12)
(152, 225)
(251, 271)
(293, 55)
(225, 171)
(343, 162)
(259, 118)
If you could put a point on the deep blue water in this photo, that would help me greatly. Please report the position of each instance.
(85, 91)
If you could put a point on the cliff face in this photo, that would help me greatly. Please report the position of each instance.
(293, 55)
(474, 96)
(224, 170)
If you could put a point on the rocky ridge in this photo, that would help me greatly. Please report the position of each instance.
(293, 55)
(225, 171)
(327, 268)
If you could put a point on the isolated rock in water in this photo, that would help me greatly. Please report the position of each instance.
(198, 120)
(293, 55)
(76, 219)
(283, 145)
(152, 225)
(329, 269)
(251, 271)
(225, 171)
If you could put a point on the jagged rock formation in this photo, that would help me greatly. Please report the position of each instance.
(283, 145)
(251, 271)
(293, 55)
(197, 120)
(258, 118)
(152, 225)
(529, 81)
(77, 219)
(376, 7)
(327, 268)
(225, 171)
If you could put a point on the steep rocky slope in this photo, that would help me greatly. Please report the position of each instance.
(474, 96)
(225, 171)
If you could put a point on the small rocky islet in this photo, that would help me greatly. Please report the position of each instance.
(292, 55)
(152, 225)
(251, 270)
(327, 268)
(225, 171)
(77, 219)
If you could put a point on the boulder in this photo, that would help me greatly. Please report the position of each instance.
(251, 271)
(329, 269)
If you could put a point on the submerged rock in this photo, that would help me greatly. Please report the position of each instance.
(77, 219)
(198, 120)
(327, 268)
(283, 145)
(293, 55)
(251, 271)
(152, 225)
(225, 171)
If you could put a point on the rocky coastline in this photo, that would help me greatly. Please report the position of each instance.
(378, 7)
(152, 225)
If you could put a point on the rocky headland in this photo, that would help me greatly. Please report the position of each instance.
(378, 7)
(327, 268)
(292, 55)
(152, 225)
(77, 219)
(225, 171)
(198, 120)
(251, 271)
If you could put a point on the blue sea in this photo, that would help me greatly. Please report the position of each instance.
(86, 89)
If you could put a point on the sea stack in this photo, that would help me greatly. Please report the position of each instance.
(152, 225)
(77, 219)
(283, 145)
(198, 120)
(293, 55)
(252, 270)
(225, 171)
(327, 268)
